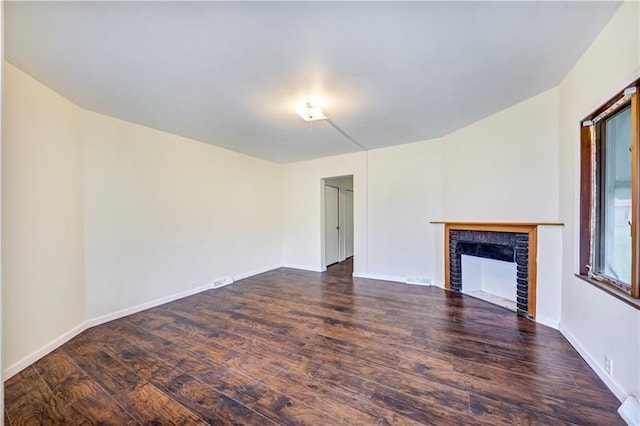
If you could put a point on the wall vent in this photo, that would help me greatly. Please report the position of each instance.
(418, 281)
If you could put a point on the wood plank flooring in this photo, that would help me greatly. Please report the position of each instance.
(294, 347)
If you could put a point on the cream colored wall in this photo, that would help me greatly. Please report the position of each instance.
(505, 167)
(405, 193)
(165, 213)
(597, 323)
(42, 220)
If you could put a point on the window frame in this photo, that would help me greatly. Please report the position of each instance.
(588, 196)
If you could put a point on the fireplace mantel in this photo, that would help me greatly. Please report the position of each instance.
(527, 265)
(488, 224)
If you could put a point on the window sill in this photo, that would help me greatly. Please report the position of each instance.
(618, 294)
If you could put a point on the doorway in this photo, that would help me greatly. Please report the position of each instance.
(338, 219)
(331, 224)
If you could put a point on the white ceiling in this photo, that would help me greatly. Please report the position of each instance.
(230, 73)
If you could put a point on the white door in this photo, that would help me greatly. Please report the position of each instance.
(348, 222)
(331, 224)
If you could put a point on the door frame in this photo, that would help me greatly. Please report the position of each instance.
(344, 234)
(342, 247)
(340, 230)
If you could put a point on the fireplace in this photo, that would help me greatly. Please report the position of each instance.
(496, 245)
(515, 243)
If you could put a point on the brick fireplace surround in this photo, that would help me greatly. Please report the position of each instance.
(514, 242)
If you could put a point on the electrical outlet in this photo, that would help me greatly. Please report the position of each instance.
(608, 365)
(193, 284)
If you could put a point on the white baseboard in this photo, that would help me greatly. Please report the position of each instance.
(548, 322)
(33, 357)
(379, 277)
(144, 306)
(630, 411)
(59, 341)
(304, 267)
(256, 272)
(595, 366)
(436, 283)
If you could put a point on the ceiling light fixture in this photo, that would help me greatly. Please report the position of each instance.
(310, 111)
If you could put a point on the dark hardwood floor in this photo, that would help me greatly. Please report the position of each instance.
(294, 347)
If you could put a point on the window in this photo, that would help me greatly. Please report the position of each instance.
(609, 195)
(612, 245)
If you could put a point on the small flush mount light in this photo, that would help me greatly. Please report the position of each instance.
(310, 111)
